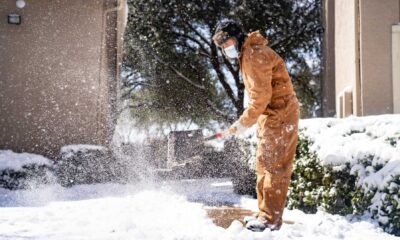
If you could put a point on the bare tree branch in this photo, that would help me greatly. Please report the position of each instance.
(179, 73)
(197, 33)
(193, 40)
(200, 51)
(217, 111)
(134, 85)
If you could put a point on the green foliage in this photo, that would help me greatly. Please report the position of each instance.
(361, 200)
(28, 177)
(394, 140)
(314, 185)
(388, 209)
(307, 88)
(176, 74)
(336, 191)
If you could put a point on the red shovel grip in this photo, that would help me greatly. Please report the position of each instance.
(215, 136)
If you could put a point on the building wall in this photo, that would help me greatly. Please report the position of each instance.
(376, 20)
(57, 74)
(395, 65)
(365, 51)
(328, 79)
(346, 53)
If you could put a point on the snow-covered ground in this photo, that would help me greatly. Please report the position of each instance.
(171, 210)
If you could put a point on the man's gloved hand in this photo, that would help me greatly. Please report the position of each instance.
(237, 128)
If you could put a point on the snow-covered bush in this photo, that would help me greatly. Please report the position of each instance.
(24, 170)
(315, 185)
(350, 166)
(240, 154)
(85, 164)
(347, 166)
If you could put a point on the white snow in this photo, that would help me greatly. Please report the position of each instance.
(171, 210)
(365, 144)
(69, 150)
(126, 130)
(338, 142)
(176, 209)
(15, 161)
(126, 15)
(341, 141)
(81, 147)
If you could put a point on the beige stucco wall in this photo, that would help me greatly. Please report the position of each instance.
(396, 68)
(346, 52)
(363, 52)
(377, 18)
(56, 74)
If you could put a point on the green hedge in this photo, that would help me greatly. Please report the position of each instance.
(335, 190)
(315, 186)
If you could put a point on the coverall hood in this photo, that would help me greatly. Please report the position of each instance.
(255, 38)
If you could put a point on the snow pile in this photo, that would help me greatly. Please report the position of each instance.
(111, 211)
(338, 142)
(369, 149)
(16, 161)
(346, 166)
(87, 164)
(70, 150)
(24, 170)
(370, 141)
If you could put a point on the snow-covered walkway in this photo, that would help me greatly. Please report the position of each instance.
(174, 210)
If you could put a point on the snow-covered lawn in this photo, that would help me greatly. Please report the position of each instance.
(171, 210)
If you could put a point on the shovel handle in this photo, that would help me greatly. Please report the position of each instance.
(231, 130)
(215, 136)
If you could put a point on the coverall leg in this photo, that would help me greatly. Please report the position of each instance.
(278, 134)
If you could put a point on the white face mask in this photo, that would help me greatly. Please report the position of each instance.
(231, 52)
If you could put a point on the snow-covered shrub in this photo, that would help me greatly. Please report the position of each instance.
(213, 164)
(210, 163)
(346, 166)
(86, 164)
(240, 154)
(314, 185)
(350, 166)
(24, 170)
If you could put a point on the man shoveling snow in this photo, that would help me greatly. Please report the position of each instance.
(274, 107)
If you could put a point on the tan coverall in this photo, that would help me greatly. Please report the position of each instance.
(274, 106)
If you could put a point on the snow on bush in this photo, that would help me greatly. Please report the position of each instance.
(360, 160)
(368, 145)
(86, 164)
(347, 166)
(16, 161)
(70, 150)
(23, 170)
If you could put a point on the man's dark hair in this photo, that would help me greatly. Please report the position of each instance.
(226, 29)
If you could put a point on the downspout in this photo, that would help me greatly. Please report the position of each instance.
(358, 98)
(104, 72)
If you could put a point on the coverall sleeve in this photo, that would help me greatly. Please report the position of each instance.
(259, 75)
